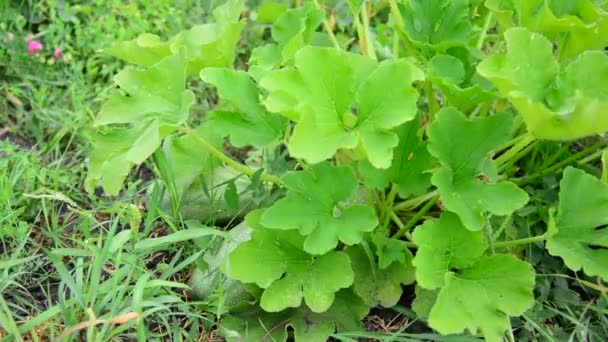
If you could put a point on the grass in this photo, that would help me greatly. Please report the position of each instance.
(79, 266)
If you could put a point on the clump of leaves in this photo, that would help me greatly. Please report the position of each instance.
(393, 183)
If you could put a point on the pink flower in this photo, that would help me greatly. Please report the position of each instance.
(57, 54)
(27, 38)
(34, 46)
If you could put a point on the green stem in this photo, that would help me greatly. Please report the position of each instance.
(409, 244)
(226, 159)
(371, 50)
(484, 30)
(592, 157)
(416, 201)
(360, 31)
(416, 218)
(327, 27)
(526, 140)
(525, 241)
(582, 155)
(432, 99)
(388, 206)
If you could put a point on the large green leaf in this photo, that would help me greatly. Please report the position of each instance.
(248, 123)
(411, 161)
(577, 26)
(312, 206)
(345, 314)
(379, 286)
(483, 296)
(444, 244)
(145, 50)
(438, 23)
(156, 93)
(460, 90)
(155, 103)
(342, 100)
(555, 105)
(582, 237)
(275, 261)
(185, 157)
(206, 45)
(295, 28)
(117, 151)
(467, 181)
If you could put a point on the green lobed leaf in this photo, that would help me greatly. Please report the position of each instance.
(424, 301)
(577, 26)
(342, 100)
(555, 105)
(156, 93)
(439, 24)
(379, 286)
(311, 206)
(345, 314)
(461, 91)
(581, 239)
(275, 261)
(411, 160)
(389, 250)
(466, 182)
(444, 244)
(145, 50)
(295, 28)
(115, 152)
(155, 102)
(206, 45)
(249, 123)
(186, 159)
(483, 296)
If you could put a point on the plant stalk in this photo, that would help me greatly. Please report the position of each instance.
(524, 241)
(406, 228)
(227, 160)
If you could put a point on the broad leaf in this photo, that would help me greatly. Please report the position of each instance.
(582, 237)
(390, 251)
(207, 45)
(376, 286)
(411, 160)
(483, 296)
(275, 261)
(439, 24)
(577, 26)
(156, 93)
(295, 28)
(462, 91)
(444, 244)
(115, 152)
(185, 157)
(248, 123)
(558, 106)
(424, 301)
(342, 100)
(466, 182)
(312, 207)
(145, 50)
(345, 314)
(154, 104)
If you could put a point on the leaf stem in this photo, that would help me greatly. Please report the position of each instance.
(226, 159)
(416, 201)
(484, 30)
(524, 241)
(371, 50)
(388, 206)
(432, 99)
(328, 28)
(512, 152)
(406, 228)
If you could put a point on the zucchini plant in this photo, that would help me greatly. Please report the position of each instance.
(394, 136)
